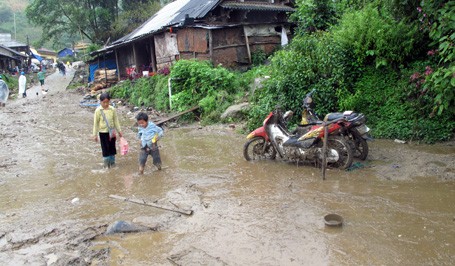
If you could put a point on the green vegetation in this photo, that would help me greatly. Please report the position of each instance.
(147, 91)
(193, 83)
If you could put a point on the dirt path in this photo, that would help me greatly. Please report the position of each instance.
(55, 205)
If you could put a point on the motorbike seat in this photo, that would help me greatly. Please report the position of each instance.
(294, 142)
(333, 116)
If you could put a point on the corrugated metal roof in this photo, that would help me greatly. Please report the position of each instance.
(12, 51)
(256, 6)
(12, 43)
(172, 14)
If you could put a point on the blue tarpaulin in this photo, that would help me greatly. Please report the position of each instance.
(109, 64)
(37, 57)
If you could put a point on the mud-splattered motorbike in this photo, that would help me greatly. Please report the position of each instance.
(274, 138)
(353, 128)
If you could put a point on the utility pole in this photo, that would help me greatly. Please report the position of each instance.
(28, 52)
(15, 34)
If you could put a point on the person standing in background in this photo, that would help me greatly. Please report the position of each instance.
(41, 76)
(22, 85)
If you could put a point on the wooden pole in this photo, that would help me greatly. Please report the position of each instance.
(170, 93)
(153, 54)
(163, 120)
(247, 45)
(143, 202)
(118, 67)
(210, 45)
(324, 150)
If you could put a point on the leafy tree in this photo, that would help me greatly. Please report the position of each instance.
(96, 20)
(440, 21)
(133, 14)
(375, 37)
(90, 18)
(313, 15)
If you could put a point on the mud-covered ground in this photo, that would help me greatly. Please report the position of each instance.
(55, 206)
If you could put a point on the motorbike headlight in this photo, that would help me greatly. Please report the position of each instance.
(359, 120)
(363, 129)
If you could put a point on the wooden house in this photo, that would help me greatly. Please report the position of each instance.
(10, 59)
(226, 32)
(47, 54)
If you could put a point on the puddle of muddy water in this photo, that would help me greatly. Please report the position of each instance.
(245, 213)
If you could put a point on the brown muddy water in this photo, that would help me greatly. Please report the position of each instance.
(398, 207)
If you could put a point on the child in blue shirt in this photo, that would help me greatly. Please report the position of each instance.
(149, 134)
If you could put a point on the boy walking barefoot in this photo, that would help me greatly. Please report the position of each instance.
(149, 134)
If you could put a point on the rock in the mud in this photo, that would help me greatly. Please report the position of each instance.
(173, 125)
(152, 222)
(125, 227)
(235, 111)
(75, 201)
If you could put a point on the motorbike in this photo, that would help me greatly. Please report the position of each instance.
(353, 129)
(273, 139)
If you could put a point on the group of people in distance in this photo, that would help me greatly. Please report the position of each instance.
(22, 86)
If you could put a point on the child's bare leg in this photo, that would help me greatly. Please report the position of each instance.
(142, 160)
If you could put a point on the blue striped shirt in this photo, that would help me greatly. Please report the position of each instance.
(146, 134)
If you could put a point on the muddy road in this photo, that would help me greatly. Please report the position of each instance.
(398, 206)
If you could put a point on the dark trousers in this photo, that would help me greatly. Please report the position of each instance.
(153, 151)
(107, 145)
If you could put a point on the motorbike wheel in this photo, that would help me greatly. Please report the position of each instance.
(343, 150)
(361, 146)
(254, 150)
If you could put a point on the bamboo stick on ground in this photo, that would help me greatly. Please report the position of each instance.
(143, 202)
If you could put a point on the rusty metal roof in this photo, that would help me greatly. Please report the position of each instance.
(260, 6)
(172, 14)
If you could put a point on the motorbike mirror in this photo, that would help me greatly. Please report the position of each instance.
(287, 115)
(307, 101)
